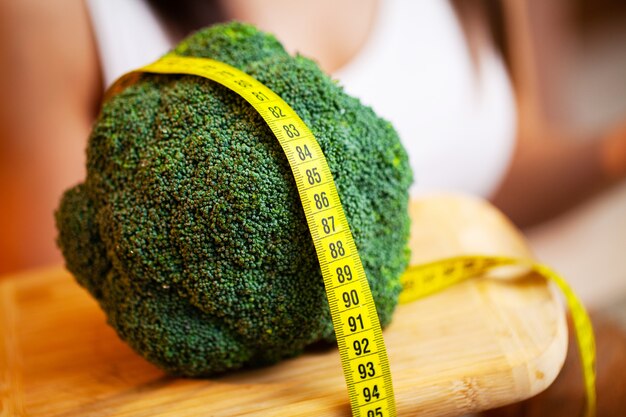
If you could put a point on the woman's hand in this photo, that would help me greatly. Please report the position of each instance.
(614, 153)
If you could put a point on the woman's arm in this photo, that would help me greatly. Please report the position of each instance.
(50, 84)
(551, 171)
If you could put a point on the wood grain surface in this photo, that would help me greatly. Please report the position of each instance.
(481, 344)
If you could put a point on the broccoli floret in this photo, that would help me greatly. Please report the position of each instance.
(188, 229)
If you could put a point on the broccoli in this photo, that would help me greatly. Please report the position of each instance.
(188, 229)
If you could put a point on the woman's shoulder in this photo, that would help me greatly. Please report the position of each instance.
(48, 55)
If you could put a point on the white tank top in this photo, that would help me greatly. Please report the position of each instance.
(456, 121)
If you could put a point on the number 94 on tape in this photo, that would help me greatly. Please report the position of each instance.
(371, 395)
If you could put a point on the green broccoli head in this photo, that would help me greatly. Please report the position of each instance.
(188, 229)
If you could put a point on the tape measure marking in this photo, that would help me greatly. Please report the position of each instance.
(422, 280)
(359, 336)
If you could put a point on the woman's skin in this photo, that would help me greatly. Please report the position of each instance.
(51, 86)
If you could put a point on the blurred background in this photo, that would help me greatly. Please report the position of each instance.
(564, 60)
(580, 61)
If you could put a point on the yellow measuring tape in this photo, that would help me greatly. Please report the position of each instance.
(359, 336)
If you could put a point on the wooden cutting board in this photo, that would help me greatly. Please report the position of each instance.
(478, 345)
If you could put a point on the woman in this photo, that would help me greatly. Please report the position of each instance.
(450, 99)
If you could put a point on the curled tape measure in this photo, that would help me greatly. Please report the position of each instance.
(359, 336)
